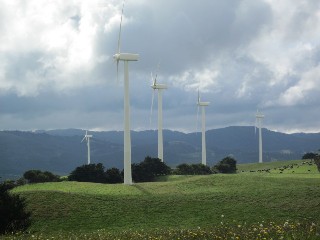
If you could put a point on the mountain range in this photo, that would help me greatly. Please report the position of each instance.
(60, 151)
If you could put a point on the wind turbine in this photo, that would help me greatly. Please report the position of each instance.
(126, 57)
(87, 138)
(259, 117)
(159, 87)
(203, 117)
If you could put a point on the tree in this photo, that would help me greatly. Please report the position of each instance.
(113, 175)
(13, 214)
(184, 169)
(193, 169)
(149, 169)
(37, 176)
(317, 161)
(89, 173)
(200, 169)
(226, 165)
(309, 155)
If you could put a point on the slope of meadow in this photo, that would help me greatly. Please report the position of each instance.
(176, 202)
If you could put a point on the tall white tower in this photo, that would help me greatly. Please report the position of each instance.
(87, 138)
(259, 118)
(159, 87)
(126, 57)
(203, 127)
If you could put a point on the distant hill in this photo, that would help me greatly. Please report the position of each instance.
(61, 151)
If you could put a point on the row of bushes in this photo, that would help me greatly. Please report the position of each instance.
(145, 171)
(226, 165)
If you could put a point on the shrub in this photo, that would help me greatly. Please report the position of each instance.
(226, 165)
(113, 175)
(193, 169)
(37, 176)
(309, 155)
(317, 161)
(149, 169)
(89, 173)
(13, 214)
(184, 169)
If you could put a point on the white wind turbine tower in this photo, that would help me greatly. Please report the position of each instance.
(126, 57)
(203, 117)
(259, 117)
(159, 87)
(87, 138)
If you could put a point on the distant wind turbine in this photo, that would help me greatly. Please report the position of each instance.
(203, 117)
(159, 87)
(259, 117)
(87, 138)
(126, 57)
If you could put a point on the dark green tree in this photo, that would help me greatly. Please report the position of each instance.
(317, 161)
(200, 169)
(309, 155)
(89, 173)
(226, 165)
(184, 169)
(37, 176)
(13, 214)
(149, 169)
(113, 175)
(193, 169)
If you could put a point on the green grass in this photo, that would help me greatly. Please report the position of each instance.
(178, 202)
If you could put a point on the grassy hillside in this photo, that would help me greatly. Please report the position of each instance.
(177, 202)
(293, 166)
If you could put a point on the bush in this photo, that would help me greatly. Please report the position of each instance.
(193, 169)
(89, 173)
(317, 161)
(13, 216)
(309, 155)
(149, 169)
(37, 176)
(226, 165)
(113, 175)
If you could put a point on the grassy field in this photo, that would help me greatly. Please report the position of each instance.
(293, 166)
(178, 202)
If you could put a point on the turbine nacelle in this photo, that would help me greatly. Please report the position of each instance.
(159, 86)
(203, 104)
(126, 57)
(259, 115)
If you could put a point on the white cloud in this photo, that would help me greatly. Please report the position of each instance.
(242, 55)
(64, 34)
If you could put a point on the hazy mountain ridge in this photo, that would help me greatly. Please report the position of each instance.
(61, 151)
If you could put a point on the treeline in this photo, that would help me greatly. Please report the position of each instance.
(145, 171)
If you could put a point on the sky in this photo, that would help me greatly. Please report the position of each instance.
(57, 69)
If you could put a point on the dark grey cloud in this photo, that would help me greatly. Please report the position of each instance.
(243, 54)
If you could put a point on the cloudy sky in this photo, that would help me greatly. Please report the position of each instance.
(57, 69)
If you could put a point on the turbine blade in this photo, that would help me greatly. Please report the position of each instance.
(119, 38)
(158, 67)
(198, 95)
(255, 126)
(155, 80)
(118, 72)
(152, 100)
(152, 79)
(83, 139)
(197, 118)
